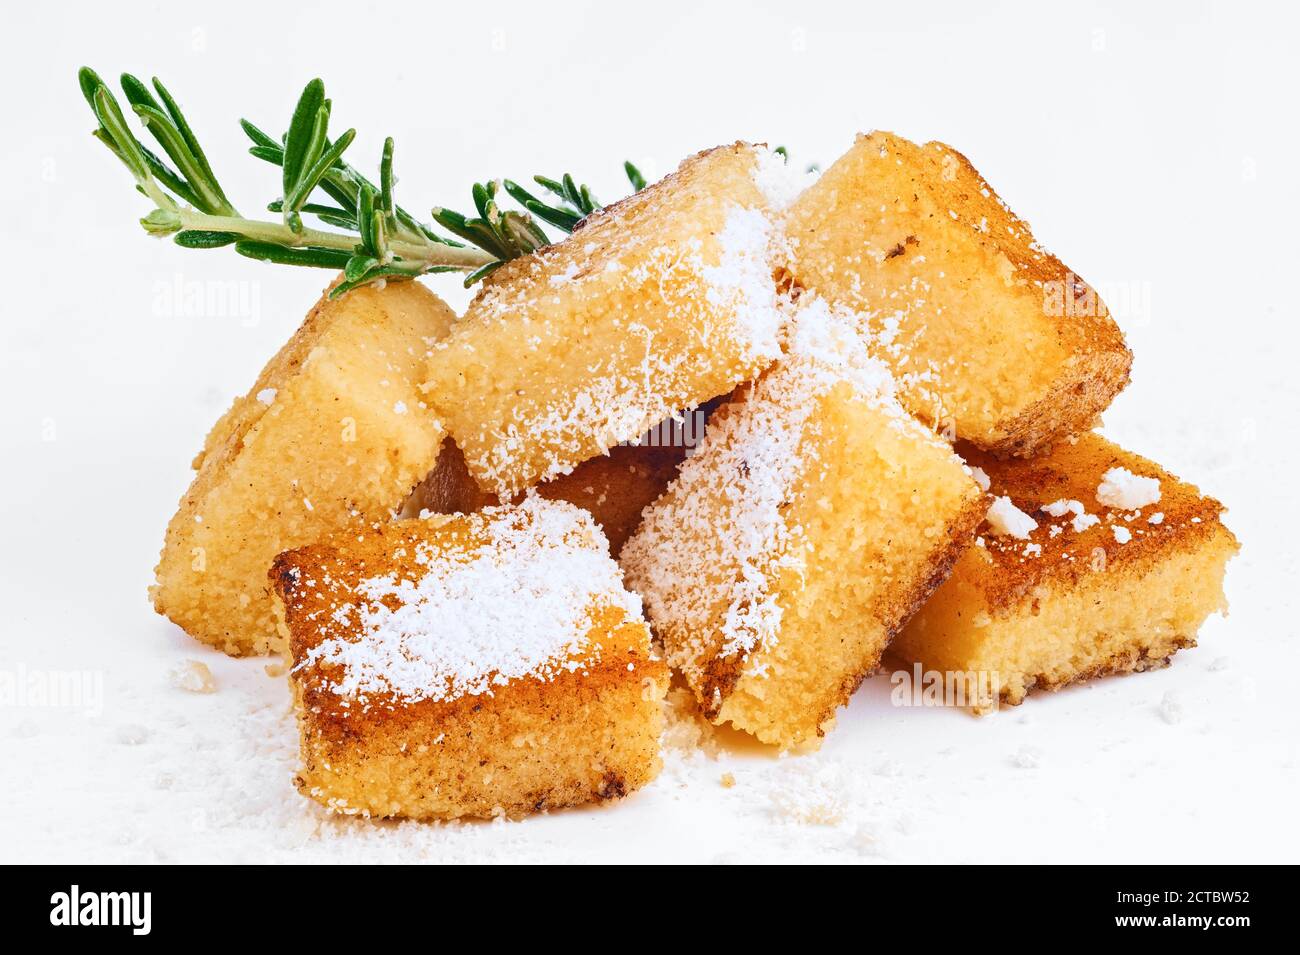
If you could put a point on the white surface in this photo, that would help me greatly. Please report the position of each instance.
(1154, 151)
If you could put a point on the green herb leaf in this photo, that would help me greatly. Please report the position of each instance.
(187, 134)
(200, 239)
(269, 252)
(301, 130)
(114, 124)
(634, 176)
(312, 177)
(478, 275)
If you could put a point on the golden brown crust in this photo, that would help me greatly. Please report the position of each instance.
(1072, 470)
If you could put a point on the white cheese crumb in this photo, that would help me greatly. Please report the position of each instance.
(981, 478)
(1027, 757)
(193, 676)
(778, 181)
(1122, 534)
(1062, 507)
(817, 796)
(1121, 488)
(1171, 708)
(1084, 521)
(132, 734)
(399, 407)
(1157, 518)
(1005, 518)
(266, 395)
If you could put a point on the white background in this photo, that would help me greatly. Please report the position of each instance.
(1153, 147)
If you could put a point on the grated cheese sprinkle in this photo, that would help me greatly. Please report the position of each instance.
(514, 604)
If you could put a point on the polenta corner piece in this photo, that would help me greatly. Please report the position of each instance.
(333, 434)
(989, 334)
(814, 517)
(470, 665)
(656, 303)
(1093, 561)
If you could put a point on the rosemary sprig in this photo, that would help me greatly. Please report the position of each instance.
(190, 205)
(380, 240)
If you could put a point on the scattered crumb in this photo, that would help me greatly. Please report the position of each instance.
(132, 734)
(1171, 708)
(1027, 757)
(728, 780)
(685, 730)
(865, 840)
(193, 676)
(815, 797)
(888, 767)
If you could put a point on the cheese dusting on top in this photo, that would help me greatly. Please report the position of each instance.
(515, 602)
(735, 489)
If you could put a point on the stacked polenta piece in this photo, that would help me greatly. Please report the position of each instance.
(484, 570)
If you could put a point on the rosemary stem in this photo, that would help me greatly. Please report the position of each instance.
(429, 253)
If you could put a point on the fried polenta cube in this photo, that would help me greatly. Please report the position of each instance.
(656, 303)
(614, 487)
(1112, 567)
(469, 665)
(815, 516)
(333, 434)
(990, 335)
